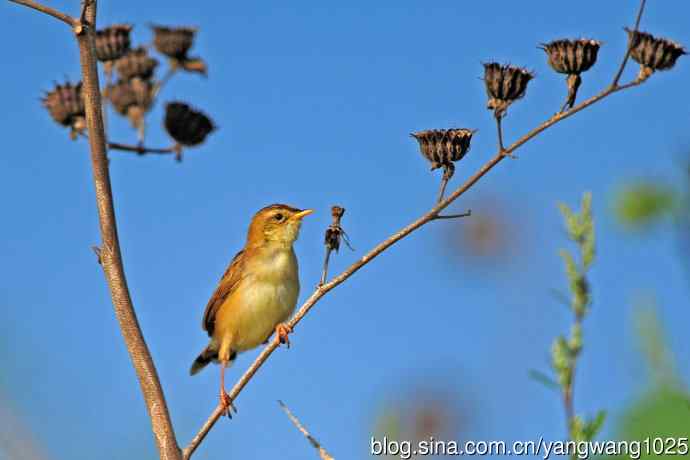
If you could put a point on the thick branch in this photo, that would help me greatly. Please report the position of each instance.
(431, 215)
(110, 256)
(66, 18)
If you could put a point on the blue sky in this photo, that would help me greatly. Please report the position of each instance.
(315, 103)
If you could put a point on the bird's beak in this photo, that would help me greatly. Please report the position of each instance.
(300, 215)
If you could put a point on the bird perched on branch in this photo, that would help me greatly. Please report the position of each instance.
(257, 293)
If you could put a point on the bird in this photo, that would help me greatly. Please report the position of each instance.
(257, 293)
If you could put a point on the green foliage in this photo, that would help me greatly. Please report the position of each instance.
(581, 430)
(663, 411)
(566, 350)
(562, 361)
(642, 204)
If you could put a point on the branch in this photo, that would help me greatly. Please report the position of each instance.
(323, 454)
(109, 254)
(617, 78)
(431, 215)
(66, 18)
(142, 150)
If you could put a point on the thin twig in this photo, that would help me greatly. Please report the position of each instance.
(499, 130)
(324, 273)
(381, 247)
(141, 149)
(323, 454)
(617, 78)
(66, 18)
(468, 213)
(448, 171)
(160, 83)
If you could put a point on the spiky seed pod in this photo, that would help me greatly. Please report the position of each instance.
(112, 42)
(187, 126)
(132, 98)
(173, 42)
(653, 53)
(127, 93)
(65, 103)
(572, 57)
(136, 63)
(442, 147)
(504, 85)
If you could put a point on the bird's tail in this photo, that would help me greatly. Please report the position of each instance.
(209, 354)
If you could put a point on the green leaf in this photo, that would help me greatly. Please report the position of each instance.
(640, 205)
(593, 426)
(547, 381)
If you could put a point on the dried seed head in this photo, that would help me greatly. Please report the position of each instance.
(65, 103)
(335, 232)
(444, 146)
(173, 42)
(112, 42)
(504, 84)
(653, 53)
(136, 63)
(572, 56)
(132, 98)
(127, 93)
(187, 126)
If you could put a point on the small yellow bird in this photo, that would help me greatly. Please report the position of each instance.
(257, 293)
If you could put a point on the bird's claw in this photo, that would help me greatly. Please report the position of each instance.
(282, 332)
(226, 403)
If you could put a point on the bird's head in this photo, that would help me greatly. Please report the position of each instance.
(278, 223)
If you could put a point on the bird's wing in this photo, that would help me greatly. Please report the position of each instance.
(227, 284)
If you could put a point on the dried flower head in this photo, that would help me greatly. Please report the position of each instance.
(444, 146)
(572, 56)
(652, 53)
(127, 93)
(504, 84)
(112, 42)
(136, 63)
(335, 232)
(173, 42)
(65, 103)
(187, 126)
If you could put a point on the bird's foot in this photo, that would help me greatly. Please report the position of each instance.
(282, 332)
(226, 404)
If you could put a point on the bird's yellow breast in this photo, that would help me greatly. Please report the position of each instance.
(265, 296)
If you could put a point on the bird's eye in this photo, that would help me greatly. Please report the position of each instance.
(278, 217)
